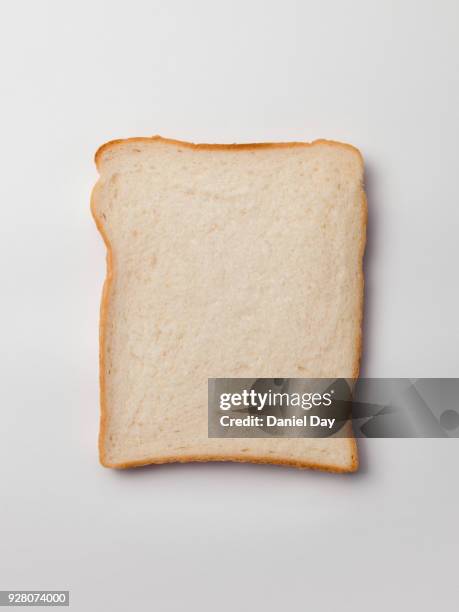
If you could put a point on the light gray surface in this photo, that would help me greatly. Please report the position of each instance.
(381, 75)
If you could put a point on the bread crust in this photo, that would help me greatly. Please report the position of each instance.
(239, 459)
(354, 464)
(221, 147)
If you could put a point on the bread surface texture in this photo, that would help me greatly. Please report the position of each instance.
(224, 261)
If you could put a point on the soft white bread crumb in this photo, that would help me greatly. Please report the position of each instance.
(224, 261)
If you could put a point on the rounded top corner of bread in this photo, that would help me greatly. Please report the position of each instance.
(110, 147)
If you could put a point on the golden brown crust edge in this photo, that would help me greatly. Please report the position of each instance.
(239, 459)
(354, 465)
(221, 147)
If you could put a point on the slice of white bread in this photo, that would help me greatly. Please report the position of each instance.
(224, 261)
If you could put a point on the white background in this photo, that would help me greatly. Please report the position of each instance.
(381, 75)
